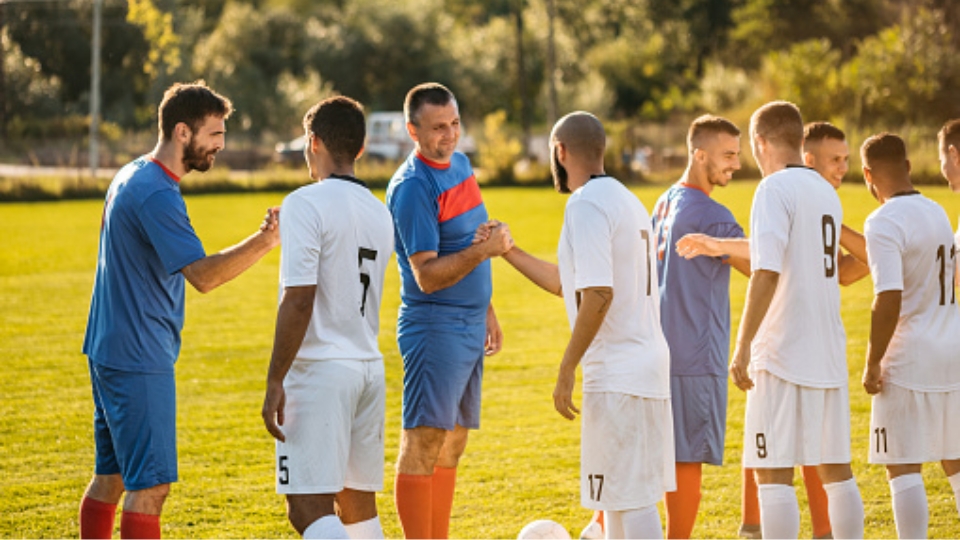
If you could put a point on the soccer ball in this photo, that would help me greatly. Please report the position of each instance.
(543, 529)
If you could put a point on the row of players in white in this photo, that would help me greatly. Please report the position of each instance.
(795, 227)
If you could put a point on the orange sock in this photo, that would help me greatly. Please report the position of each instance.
(817, 496)
(444, 482)
(135, 525)
(750, 504)
(413, 494)
(598, 517)
(682, 505)
(96, 518)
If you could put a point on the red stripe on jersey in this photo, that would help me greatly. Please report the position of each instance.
(459, 199)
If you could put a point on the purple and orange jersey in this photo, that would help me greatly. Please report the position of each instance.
(438, 207)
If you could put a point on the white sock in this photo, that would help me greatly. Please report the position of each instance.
(955, 484)
(642, 523)
(612, 525)
(365, 529)
(845, 508)
(326, 527)
(779, 511)
(910, 510)
(638, 523)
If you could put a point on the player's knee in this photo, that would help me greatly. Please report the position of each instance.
(419, 450)
(302, 510)
(356, 506)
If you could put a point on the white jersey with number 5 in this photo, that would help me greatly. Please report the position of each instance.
(911, 249)
(337, 235)
(795, 231)
(606, 241)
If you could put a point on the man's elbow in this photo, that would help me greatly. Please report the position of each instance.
(201, 281)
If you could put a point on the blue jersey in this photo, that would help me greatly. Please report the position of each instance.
(438, 207)
(146, 238)
(695, 293)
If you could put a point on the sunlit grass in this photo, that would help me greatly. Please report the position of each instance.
(520, 466)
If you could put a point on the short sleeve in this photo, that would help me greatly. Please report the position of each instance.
(301, 231)
(723, 225)
(769, 228)
(592, 243)
(415, 216)
(885, 253)
(165, 221)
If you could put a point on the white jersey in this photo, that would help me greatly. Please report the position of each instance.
(911, 249)
(337, 235)
(795, 231)
(607, 241)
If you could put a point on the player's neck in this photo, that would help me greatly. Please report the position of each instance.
(171, 156)
(697, 180)
(897, 189)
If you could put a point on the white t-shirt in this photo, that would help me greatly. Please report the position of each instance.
(607, 241)
(337, 235)
(795, 231)
(911, 249)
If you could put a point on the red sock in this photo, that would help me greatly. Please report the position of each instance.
(96, 518)
(134, 525)
(444, 482)
(817, 497)
(750, 504)
(413, 494)
(682, 505)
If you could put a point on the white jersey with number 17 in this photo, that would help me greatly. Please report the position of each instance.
(911, 249)
(795, 231)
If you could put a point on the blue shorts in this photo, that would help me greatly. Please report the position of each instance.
(134, 426)
(442, 373)
(699, 417)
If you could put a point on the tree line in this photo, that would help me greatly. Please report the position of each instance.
(860, 63)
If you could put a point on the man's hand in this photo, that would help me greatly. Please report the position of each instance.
(872, 381)
(273, 404)
(696, 244)
(498, 240)
(271, 225)
(494, 341)
(563, 393)
(738, 368)
(483, 231)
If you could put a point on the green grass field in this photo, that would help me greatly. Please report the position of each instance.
(521, 466)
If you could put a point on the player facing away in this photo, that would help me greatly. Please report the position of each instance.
(790, 353)
(148, 248)
(606, 276)
(824, 150)
(912, 368)
(446, 322)
(695, 310)
(325, 395)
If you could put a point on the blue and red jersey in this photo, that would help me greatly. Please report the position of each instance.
(137, 308)
(438, 207)
(694, 293)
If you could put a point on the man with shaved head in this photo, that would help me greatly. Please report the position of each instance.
(607, 278)
(790, 354)
(912, 369)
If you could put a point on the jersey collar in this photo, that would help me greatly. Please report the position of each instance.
(172, 176)
(433, 164)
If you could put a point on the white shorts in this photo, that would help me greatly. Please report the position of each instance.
(788, 424)
(334, 425)
(909, 426)
(626, 451)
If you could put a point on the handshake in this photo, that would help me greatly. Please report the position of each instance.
(495, 238)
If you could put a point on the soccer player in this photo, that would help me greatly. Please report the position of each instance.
(695, 310)
(446, 323)
(824, 150)
(912, 368)
(325, 394)
(949, 143)
(790, 349)
(607, 280)
(147, 249)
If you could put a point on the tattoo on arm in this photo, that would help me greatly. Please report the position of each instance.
(605, 296)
